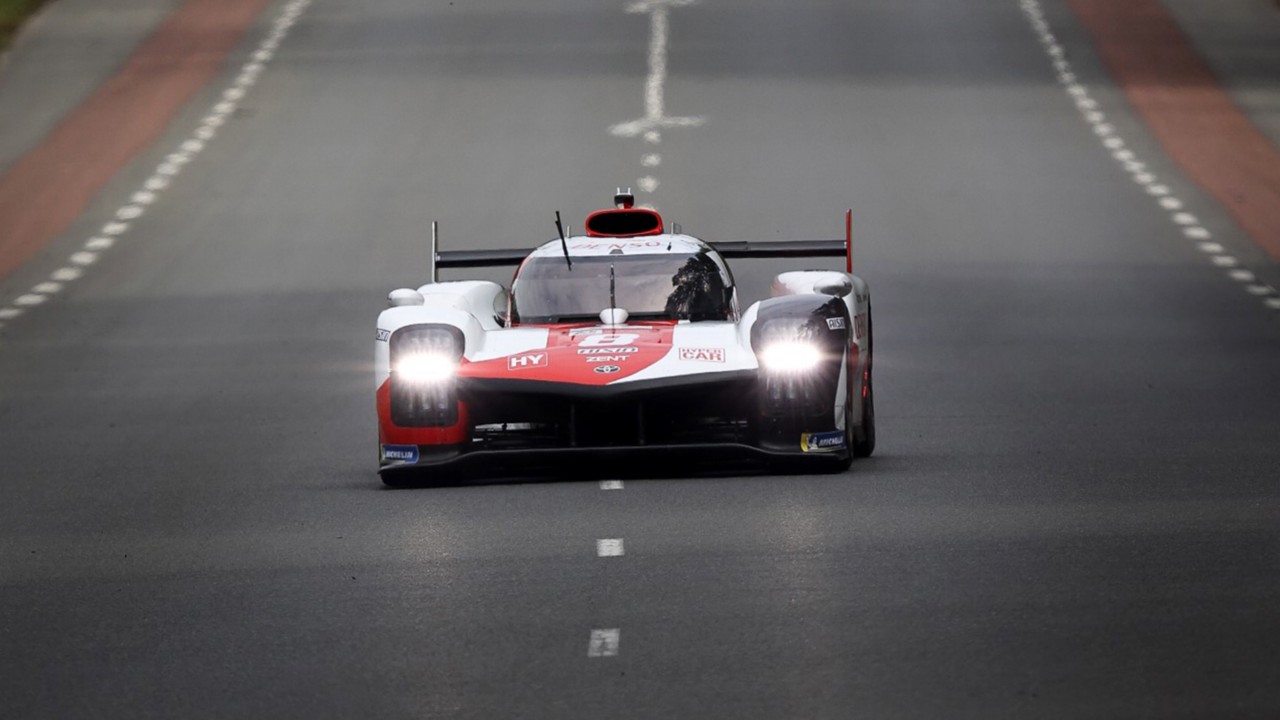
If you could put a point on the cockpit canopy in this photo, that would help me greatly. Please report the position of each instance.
(649, 286)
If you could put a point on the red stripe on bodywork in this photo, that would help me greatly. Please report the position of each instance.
(575, 353)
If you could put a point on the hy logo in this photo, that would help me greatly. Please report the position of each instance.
(528, 360)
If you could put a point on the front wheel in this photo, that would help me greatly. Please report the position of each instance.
(864, 441)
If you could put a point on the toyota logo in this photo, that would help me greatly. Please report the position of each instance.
(607, 369)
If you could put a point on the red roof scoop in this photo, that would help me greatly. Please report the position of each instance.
(624, 219)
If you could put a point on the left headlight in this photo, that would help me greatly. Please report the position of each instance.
(790, 356)
(426, 367)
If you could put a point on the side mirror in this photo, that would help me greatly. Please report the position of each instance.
(500, 314)
(838, 288)
(405, 296)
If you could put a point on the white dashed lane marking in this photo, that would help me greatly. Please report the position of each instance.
(159, 181)
(603, 643)
(1189, 223)
(610, 484)
(655, 118)
(609, 547)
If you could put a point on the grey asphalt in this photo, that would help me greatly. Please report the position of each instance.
(1073, 512)
(60, 56)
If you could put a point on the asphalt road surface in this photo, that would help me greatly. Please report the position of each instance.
(1074, 510)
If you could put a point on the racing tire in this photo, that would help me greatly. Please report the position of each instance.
(864, 441)
(844, 460)
(394, 480)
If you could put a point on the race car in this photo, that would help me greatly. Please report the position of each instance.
(623, 348)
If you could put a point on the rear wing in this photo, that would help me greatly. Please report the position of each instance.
(737, 249)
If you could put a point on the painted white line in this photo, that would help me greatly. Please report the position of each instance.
(1196, 233)
(1209, 247)
(160, 179)
(603, 643)
(655, 118)
(1225, 261)
(1183, 218)
(1243, 276)
(610, 484)
(1170, 203)
(609, 547)
(1273, 303)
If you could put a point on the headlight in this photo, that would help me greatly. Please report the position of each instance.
(790, 356)
(426, 367)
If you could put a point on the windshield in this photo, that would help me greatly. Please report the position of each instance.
(651, 287)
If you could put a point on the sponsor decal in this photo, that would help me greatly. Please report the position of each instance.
(860, 325)
(575, 332)
(383, 335)
(528, 360)
(609, 339)
(822, 442)
(607, 358)
(607, 350)
(400, 453)
(598, 245)
(608, 369)
(702, 354)
(836, 323)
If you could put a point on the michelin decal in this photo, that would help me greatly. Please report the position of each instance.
(822, 442)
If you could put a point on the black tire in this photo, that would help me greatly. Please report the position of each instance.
(865, 438)
(864, 442)
(394, 480)
(844, 460)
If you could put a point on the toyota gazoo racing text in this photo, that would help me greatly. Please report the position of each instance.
(625, 345)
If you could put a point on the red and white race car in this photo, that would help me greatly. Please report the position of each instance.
(623, 346)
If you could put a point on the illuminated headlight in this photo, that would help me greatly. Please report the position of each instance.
(790, 357)
(426, 367)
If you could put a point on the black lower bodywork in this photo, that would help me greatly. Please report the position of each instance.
(670, 426)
